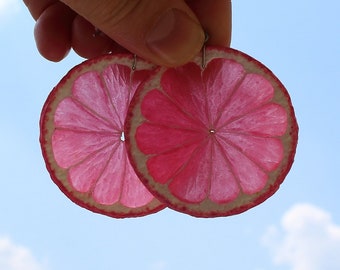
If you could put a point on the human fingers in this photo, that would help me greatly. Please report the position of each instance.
(53, 31)
(165, 32)
(56, 32)
(89, 42)
(215, 17)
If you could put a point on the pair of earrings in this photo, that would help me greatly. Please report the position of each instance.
(214, 137)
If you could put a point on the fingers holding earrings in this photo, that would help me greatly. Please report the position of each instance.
(88, 41)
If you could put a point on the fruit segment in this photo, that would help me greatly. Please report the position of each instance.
(83, 138)
(215, 140)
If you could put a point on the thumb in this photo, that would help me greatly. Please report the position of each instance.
(164, 32)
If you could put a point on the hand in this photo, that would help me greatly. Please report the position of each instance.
(165, 32)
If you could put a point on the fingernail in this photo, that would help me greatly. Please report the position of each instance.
(175, 38)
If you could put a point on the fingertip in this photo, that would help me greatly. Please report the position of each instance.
(52, 32)
(51, 50)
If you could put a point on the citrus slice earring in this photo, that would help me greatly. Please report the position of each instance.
(82, 137)
(213, 137)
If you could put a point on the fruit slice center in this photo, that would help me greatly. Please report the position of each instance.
(122, 137)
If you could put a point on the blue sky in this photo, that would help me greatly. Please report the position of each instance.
(296, 229)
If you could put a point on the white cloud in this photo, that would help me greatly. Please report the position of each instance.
(307, 239)
(16, 257)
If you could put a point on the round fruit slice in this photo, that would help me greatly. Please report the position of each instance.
(82, 137)
(215, 138)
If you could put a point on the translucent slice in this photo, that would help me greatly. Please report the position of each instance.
(82, 137)
(215, 140)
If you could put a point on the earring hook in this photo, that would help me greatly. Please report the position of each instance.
(203, 49)
(134, 62)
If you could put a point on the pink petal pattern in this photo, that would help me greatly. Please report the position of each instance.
(167, 138)
(225, 119)
(268, 121)
(86, 173)
(173, 114)
(87, 136)
(71, 147)
(89, 89)
(228, 74)
(225, 187)
(108, 186)
(191, 183)
(70, 114)
(266, 152)
(191, 99)
(243, 100)
(165, 166)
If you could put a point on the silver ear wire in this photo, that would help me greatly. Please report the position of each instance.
(203, 50)
(203, 57)
(134, 62)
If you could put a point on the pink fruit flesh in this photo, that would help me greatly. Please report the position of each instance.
(243, 141)
(87, 139)
(211, 135)
(86, 136)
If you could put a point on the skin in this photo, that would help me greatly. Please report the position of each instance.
(92, 27)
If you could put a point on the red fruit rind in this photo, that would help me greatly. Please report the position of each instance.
(215, 140)
(81, 129)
